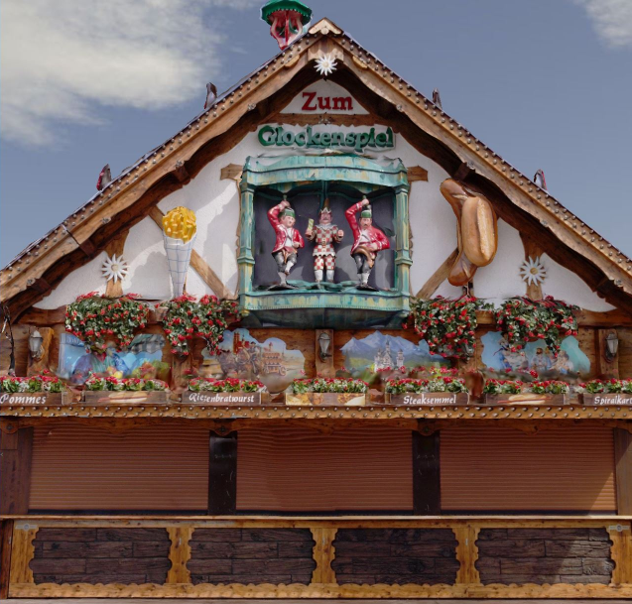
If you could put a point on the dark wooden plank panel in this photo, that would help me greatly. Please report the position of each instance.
(426, 474)
(6, 534)
(222, 480)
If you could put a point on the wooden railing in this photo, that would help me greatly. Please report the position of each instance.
(414, 537)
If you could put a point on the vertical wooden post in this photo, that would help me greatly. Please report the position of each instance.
(621, 552)
(605, 368)
(467, 554)
(623, 465)
(179, 554)
(16, 445)
(532, 251)
(324, 368)
(324, 554)
(115, 246)
(245, 259)
(402, 241)
(6, 542)
(22, 552)
(222, 479)
(426, 476)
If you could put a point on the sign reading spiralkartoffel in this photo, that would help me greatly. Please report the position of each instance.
(270, 136)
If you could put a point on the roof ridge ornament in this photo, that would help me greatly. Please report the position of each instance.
(288, 20)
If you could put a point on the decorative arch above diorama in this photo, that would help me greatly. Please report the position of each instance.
(350, 177)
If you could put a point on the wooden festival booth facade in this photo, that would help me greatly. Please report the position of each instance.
(114, 487)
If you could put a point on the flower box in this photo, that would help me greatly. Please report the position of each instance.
(225, 399)
(327, 399)
(32, 399)
(102, 398)
(426, 399)
(524, 398)
(603, 399)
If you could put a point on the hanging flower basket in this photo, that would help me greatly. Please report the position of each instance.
(522, 320)
(96, 320)
(449, 326)
(185, 318)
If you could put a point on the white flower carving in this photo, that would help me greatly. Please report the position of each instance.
(532, 271)
(114, 268)
(325, 65)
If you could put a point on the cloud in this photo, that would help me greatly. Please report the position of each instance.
(63, 59)
(612, 19)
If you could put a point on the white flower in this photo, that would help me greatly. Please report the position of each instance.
(532, 271)
(325, 65)
(114, 268)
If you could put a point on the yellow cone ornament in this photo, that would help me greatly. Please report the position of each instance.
(179, 228)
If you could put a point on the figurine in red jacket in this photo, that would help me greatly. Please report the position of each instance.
(367, 240)
(288, 239)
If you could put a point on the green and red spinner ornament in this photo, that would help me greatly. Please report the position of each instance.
(287, 18)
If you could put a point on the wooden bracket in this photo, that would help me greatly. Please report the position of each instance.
(41, 286)
(463, 171)
(417, 173)
(181, 173)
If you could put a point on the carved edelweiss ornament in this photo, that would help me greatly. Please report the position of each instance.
(532, 271)
(114, 268)
(326, 65)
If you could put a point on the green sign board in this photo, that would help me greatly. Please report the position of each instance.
(276, 136)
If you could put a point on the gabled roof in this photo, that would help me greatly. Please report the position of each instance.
(130, 196)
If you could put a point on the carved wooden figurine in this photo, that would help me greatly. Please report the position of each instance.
(367, 240)
(325, 234)
(288, 240)
(476, 231)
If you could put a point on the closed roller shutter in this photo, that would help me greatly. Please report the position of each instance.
(78, 467)
(301, 470)
(492, 468)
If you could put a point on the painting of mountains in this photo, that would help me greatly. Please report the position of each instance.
(379, 351)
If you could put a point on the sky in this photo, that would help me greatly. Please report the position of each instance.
(544, 83)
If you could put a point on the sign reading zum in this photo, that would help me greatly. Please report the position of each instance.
(270, 136)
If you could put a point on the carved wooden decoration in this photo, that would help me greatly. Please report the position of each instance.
(476, 232)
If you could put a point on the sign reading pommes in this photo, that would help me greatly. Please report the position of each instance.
(276, 136)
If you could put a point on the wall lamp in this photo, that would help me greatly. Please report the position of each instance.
(35, 345)
(324, 341)
(612, 346)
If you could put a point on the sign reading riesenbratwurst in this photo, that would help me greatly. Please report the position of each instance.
(270, 136)
(226, 399)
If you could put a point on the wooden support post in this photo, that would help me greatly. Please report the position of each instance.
(623, 463)
(222, 479)
(532, 251)
(606, 369)
(22, 552)
(16, 447)
(179, 554)
(467, 554)
(438, 277)
(324, 367)
(115, 246)
(621, 552)
(426, 477)
(6, 542)
(324, 554)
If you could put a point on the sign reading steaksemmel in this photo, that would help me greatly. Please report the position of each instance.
(270, 136)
